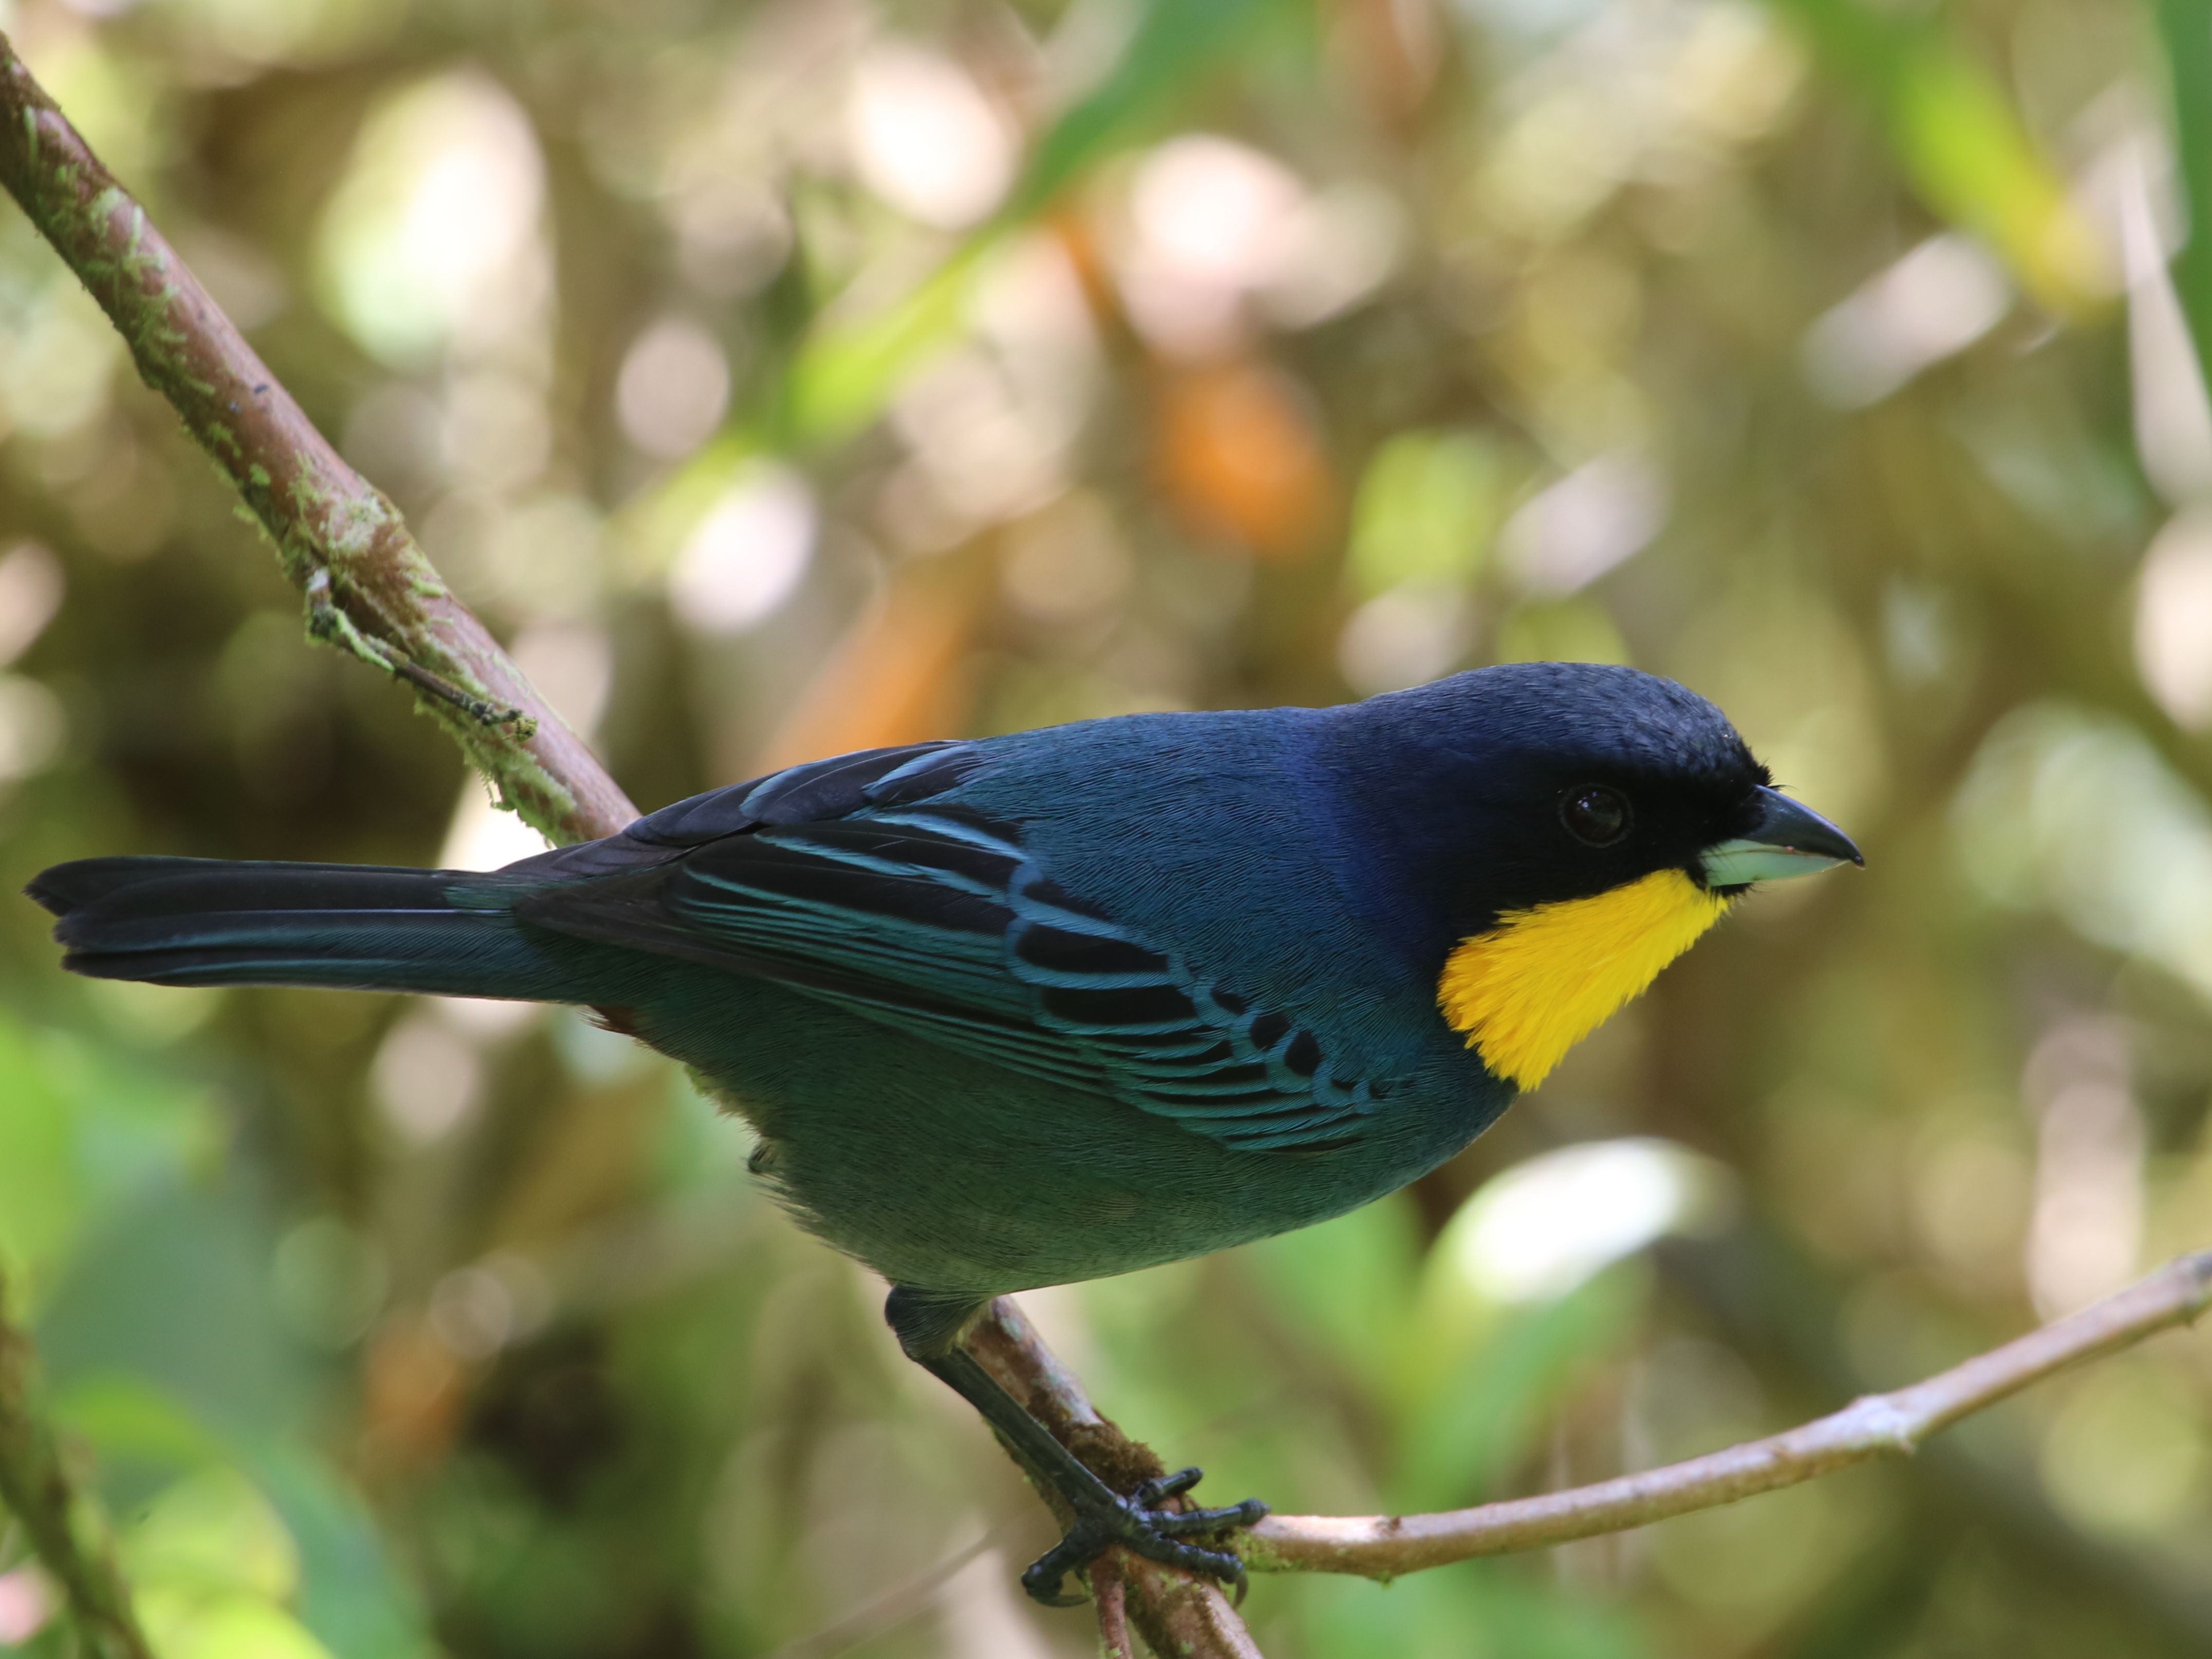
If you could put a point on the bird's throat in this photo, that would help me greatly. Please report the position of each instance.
(1543, 979)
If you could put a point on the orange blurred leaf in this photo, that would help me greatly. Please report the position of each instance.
(411, 1395)
(1239, 458)
(899, 674)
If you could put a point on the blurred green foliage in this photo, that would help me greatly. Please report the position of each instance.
(783, 376)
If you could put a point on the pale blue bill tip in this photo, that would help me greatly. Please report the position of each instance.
(1786, 840)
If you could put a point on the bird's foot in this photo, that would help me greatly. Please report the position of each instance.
(1141, 1523)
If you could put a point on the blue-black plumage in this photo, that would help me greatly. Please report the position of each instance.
(1065, 1003)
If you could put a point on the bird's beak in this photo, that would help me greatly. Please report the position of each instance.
(1788, 839)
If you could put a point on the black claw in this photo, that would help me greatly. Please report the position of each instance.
(1153, 1493)
(926, 1324)
(1214, 1564)
(1140, 1524)
(1049, 1571)
(1246, 1514)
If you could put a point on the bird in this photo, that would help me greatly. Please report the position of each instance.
(1031, 1009)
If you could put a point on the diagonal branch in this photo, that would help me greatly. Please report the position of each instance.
(1176, 1613)
(368, 587)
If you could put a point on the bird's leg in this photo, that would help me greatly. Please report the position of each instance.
(929, 1329)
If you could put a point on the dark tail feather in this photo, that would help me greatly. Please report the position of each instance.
(202, 922)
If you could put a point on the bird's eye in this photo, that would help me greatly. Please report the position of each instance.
(1595, 814)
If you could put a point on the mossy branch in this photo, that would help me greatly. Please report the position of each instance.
(369, 589)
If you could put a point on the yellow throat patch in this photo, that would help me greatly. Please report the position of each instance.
(1544, 979)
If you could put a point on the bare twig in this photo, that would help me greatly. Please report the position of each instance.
(64, 1525)
(370, 589)
(1196, 1619)
(1880, 1425)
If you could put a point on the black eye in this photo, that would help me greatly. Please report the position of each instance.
(1595, 814)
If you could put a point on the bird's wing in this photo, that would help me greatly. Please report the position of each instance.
(934, 920)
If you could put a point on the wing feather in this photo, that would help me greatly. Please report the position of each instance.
(934, 920)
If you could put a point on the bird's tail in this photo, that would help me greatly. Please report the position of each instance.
(204, 921)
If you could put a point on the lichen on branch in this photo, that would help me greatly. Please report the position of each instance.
(370, 589)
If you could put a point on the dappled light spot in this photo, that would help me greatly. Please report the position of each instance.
(2076, 812)
(1570, 534)
(1544, 1225)
(2173, 619)
(1932, 304)
(747, 555)
(433, 236)
(26, 1604)
(31, 587)
(924, 138)
(673, 389)
(426, 1080)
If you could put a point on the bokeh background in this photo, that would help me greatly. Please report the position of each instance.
(786, 376)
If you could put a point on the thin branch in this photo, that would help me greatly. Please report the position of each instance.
(64, 1525)
(1877, 1426)
(370, 589)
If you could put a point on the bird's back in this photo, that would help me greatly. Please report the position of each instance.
(1230, 1053)
(1222, 832)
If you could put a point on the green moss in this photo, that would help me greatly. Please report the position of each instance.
(325, 535)
(517, 780)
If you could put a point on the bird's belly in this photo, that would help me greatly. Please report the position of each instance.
(947, 1173)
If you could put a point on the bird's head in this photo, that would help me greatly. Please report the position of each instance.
(1581, 825)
